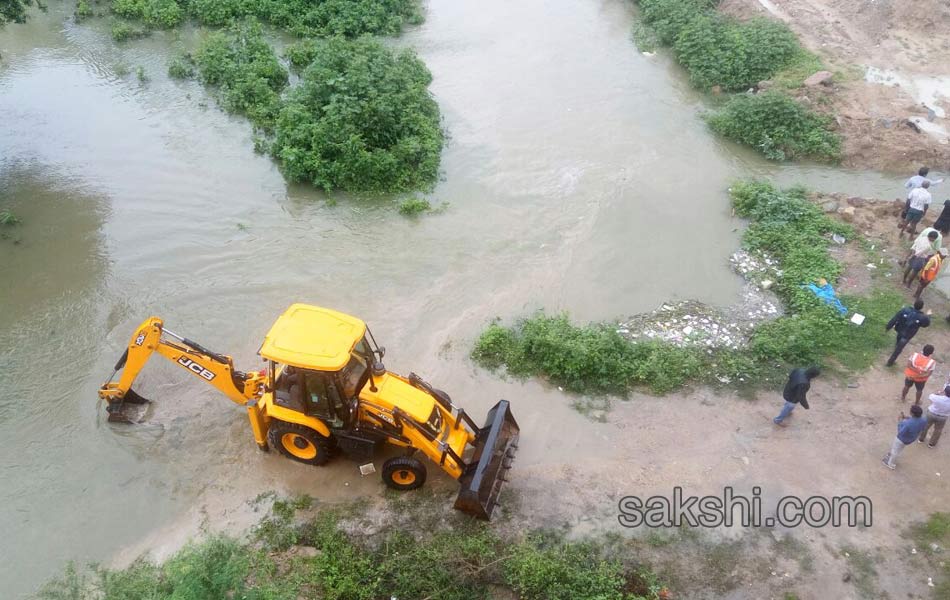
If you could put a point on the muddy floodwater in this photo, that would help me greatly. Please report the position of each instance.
(579, 177)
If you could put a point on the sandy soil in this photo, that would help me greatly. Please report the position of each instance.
(891, 63)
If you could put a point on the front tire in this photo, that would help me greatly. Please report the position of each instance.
(404, 473)
(299, 443)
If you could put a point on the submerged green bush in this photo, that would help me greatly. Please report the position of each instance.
(778, 126)
(182, 66)
(158, 14)
(362, 119)
(122, 31)
(244, 68)
(349, 18)
(669, 17)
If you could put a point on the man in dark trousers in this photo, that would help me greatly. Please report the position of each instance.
(796, 388)
(906, 323)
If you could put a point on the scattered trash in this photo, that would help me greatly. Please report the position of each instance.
(857, 319)
(827, 294)
(935, 547)
(367, 469)
(872, 266)
(854, 385)
(839, 239)
(930, 582)
(913, 550)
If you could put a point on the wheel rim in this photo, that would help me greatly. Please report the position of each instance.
(299, 446)
(404, 477)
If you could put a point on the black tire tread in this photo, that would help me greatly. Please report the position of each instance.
(324, 445)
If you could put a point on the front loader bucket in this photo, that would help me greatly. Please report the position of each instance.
(495, 447)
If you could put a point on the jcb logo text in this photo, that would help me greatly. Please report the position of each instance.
(195, 368)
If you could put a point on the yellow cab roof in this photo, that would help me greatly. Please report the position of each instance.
(311, 337)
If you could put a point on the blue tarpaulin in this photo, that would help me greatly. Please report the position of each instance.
(827, 294)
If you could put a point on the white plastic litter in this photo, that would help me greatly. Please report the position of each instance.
(857, 318)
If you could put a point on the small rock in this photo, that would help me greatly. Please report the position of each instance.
(829, 206)
(716, 90)
(846, 578)
(819, 78)
(308, 551)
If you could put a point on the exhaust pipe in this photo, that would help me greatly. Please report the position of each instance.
(483, 478)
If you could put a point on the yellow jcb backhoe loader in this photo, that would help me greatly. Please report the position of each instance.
(324, 390)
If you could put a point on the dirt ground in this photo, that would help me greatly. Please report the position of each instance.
(891, 62)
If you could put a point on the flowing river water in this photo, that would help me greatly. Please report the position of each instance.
(579, 177)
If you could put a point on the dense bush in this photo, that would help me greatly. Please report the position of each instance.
(182, 66)
(122, 31)
(301, 54)
(246, 71)
(349, 18)
(362, 119)
(778, 126)
(718, 50)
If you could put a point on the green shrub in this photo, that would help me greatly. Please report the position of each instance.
(778, 126)
(414, 206)
(246, 71)
(122, 31)
(720, 51)
(83, 10)
(668, 17)
(301, 54)
(182, 66)
(362, 119)
(542, 571)
(8, 217)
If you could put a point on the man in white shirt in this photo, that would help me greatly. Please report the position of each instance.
(920, 252)
(918, 201)
(917, 180)
(937, 416)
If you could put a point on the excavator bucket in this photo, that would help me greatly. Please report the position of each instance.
(495, 447)
(120, 411)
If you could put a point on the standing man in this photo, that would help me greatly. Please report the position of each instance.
(908, 430)
(918, 180)
(906, 323)
(796, 389)
(937, 416)
(919, 369)
(920, 252)
(918, 201)
(930, 271)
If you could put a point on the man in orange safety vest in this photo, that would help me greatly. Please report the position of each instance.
(919, 369)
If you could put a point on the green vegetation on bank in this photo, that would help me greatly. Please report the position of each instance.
(596, 359)
(932, 540)
(777, 126)
(362, 119)
(724, 54)
(288, 558)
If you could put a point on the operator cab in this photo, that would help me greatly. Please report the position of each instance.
(319, 360)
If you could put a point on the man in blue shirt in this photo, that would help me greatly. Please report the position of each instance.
(906, 323)
(908, 430)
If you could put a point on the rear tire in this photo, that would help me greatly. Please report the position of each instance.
(404, 473)
(300, 443)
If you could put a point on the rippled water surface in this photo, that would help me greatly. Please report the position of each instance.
(579, 177)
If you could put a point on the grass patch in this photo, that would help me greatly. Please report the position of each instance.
(596, 359)
(932, 538)
(154, 14)
(778, 126)
(863, 573)
(801, 66)
(361, 120)
(245, 71)
(465, 563)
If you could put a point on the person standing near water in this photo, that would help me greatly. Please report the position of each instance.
(796, 390)
(907, 431)
(919, 369)
(906, 323)
(918, 180)
(918, 201)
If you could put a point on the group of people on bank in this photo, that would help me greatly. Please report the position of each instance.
(922, 265)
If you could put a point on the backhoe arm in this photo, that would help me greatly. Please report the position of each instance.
(149, 337)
